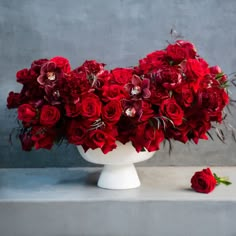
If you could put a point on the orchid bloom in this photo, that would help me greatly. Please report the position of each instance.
(49, 76)
(138, 87)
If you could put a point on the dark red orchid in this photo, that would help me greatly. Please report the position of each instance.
(50, 74)
(132, 108)
(138, 87)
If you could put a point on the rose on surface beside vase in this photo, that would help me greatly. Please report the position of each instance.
(171, 94)
(205, 181)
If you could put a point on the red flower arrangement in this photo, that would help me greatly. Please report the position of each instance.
(172, 94)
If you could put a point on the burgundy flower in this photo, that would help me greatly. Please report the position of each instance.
(50, 74)
(37, 64)
(27, 113)
(13, 100)
(26, 76)
(91, 67)
(76, 132)
(43, 137)
(169, 77)
(138, 87)
(132, 108)
(213, 100)
(181, 50)
(73, 86)
(26, 142)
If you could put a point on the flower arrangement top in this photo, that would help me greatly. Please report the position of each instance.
(171, 94)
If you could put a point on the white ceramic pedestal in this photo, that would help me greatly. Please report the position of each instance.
(119, 171)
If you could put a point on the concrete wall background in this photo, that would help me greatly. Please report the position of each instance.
(117, 33)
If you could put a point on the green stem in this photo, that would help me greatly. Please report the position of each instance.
(222, 180)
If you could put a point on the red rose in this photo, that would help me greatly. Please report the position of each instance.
(194, 73)
(193, 69)
(204, 65)
(31, 93)
(102, 79)
(181, 50)
(13, 100)
(76, 132)
(147, 111)
(153, 137)
(189, 47)
(213, 99)
(111, 112)
(49, 115)
(185, 95)
(27, 113)
(172, 110)
(179, 133)
(43, 137)
(122, 75)
(146, 136)
(124, 133)
(26, 76)
(100, 139)
(26, 141)
(152, 61)
(91, 67)
(73, 85)
(72, 110)
(199, 128)
(91, 107)
(112, 92)
(203, 181)
(216, 71)
(170, 77)
(63, 63)
(158, 94)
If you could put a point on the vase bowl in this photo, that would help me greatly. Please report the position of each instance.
(119, 171)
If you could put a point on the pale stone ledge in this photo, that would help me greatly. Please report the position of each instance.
(66, 202)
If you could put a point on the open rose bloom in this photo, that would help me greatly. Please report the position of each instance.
(171, 94)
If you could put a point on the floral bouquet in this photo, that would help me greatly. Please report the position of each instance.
(172, 94)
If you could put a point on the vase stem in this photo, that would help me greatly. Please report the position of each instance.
(119, 177)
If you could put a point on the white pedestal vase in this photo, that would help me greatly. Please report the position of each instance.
(119, 171)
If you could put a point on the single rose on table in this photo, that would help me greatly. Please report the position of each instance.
(205, 182)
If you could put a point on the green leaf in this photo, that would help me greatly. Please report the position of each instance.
(218, 76)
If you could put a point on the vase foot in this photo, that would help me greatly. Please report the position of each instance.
(119, 177)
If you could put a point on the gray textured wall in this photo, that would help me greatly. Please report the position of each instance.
(117, 33)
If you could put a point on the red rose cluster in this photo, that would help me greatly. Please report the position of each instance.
(172, 94)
